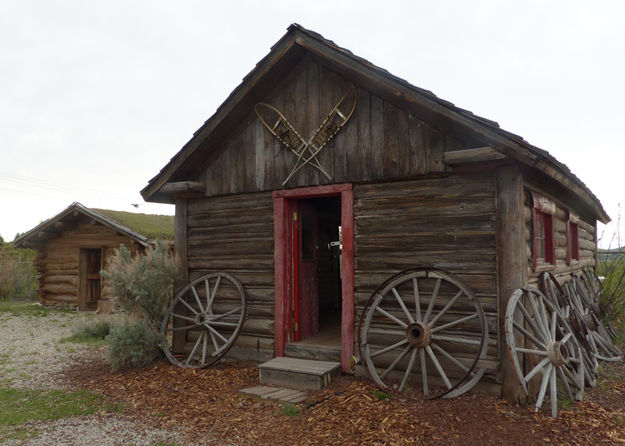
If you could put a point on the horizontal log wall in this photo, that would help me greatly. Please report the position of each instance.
(235, 234)
(58, 262)
(587, 243)
(446, 223)
(379, 141)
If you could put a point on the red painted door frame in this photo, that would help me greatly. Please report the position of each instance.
(284, 276)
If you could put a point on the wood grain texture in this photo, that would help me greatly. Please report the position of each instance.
(380, 141)
(446, 222)
(234, 234)
(59, 266)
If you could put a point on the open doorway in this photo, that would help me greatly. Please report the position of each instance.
(317, 271)
(329, 313)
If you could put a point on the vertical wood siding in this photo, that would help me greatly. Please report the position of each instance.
(379, 141)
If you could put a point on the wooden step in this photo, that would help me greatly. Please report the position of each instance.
(317, 353)
(280, 394)
(294, 373)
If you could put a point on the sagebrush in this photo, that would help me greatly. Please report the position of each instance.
(143, 286)
(132, 344)
(18, 275)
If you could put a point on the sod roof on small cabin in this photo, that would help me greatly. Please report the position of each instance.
(150, 225)
(139, 227)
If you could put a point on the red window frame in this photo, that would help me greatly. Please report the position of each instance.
(543, 239)
(572, 239)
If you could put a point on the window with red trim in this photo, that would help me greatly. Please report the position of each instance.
(543, 252)
(572, 238)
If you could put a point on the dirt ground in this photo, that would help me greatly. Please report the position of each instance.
(206, 405)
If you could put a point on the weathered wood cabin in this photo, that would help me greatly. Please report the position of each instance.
(410, 179)
(73, 247)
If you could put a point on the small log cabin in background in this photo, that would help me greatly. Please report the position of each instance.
(74, 246)
(414, 181)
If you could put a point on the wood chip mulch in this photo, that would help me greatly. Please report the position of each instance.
(205, 403)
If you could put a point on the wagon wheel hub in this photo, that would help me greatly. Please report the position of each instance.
(419, 334)
(558, 354)
(199, 319)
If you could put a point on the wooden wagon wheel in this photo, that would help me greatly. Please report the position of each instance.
(424, 315)
(548, 344)
(561, 299)
(590, 288)
(209, 312)
(586, 321)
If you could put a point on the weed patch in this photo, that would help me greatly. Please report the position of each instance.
(20, 308)
(93, 334)
(290, 410)
(19, 406)
(379, 395)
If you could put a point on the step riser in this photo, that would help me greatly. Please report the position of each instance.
(305, 352)
(302, 374)
(294, 380)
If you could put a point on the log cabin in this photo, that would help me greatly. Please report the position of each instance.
(322, 177)
(74, 245)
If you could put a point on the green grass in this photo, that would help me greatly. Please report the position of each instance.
(379, 395)
(21, 308)
(151, 226)
(82, 338)
(290, 410)
(92, 333)
(19, 406)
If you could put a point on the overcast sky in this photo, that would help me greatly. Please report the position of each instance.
(96, 97)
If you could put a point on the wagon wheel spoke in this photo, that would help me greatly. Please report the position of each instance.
(404, 381)
(195, 346)
(424, 372)
(391, 367)
(403, 306)
(553, 342)
(432, 300)
(395, 333)
(454, 323)
(437, 364)
(417, 300)
(186, 318)
(185, 327)
(447, 307)
(389, 348)
(197, 299)
(217, 312)
(391, 317)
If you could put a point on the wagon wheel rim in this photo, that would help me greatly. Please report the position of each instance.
(423, 324)
(213, 308)
(548, 344)
(561, 298)
(552, 289)
(596, 337)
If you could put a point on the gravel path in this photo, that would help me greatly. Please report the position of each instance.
(32, 357)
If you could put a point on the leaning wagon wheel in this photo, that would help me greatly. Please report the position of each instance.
(562, 301)
(424, 316)
(586, 321)
(590, 289)
(208, 314)
(548, 344)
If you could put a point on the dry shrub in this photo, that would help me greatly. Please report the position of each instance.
(143, 286)
(18, 276)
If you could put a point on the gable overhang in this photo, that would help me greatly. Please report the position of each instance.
(54, 227)
(202, 148)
